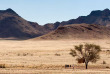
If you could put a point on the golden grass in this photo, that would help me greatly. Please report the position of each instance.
(49, 57)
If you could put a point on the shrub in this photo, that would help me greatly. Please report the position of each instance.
(104, 62)
(2, 66)
(57, 54)
(107, 67)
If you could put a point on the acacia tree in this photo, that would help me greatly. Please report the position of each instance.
(87, 52)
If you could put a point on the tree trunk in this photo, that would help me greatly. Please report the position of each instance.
(86, 65)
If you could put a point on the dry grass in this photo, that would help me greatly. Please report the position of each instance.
(49, 57)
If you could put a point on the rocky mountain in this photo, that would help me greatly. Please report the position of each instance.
(12, 25)
(95, 17)
(78, 31)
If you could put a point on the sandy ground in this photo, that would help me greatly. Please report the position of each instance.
(49, 57)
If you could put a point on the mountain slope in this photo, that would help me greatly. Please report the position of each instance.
(12, 25)
(79, 31)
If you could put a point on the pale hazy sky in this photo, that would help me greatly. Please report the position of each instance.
(50, 11)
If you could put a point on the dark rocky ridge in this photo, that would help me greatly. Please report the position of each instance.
(95, 17)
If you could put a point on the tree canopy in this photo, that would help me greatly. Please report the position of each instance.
(87, 53)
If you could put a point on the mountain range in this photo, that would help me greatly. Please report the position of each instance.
(13, 25)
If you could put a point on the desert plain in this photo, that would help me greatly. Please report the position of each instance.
(49, 57)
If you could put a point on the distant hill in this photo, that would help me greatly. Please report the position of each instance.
(78, 31)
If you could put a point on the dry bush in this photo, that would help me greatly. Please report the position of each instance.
(57, 54)
(18, 54)
(2, 66)
(24, 54)
(107, 67)
(107, 51)
(104, 62)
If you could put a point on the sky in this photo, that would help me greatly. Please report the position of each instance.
(51, 11)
